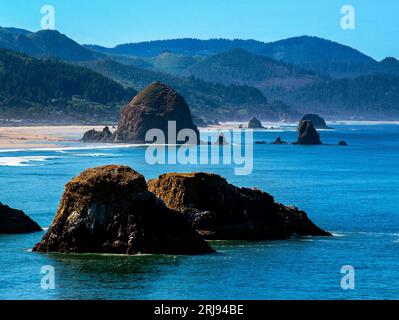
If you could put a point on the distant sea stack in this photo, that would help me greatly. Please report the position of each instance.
(110, 210)
(279, 141)
(97, 136)
(221, 211)
(307, 134)
(152, 108)
(318, 122)
(13, 221)
(255, 124)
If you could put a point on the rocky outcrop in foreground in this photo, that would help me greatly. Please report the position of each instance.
(219, 210)
(153, 108)
(307, 134)
(110, 210)
(14, 221)
(255, 124)
(318, 122)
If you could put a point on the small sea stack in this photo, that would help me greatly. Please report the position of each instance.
(279, 141)
(13, 221)
(255, 124)
(307, 134)
(110, 210)
(342, 143)
(221, 140)
(97, 136)
(318, 122)
(221, 211)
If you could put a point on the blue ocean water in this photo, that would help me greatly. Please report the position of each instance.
(351, 191)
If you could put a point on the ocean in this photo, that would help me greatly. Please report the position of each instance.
(350, 191)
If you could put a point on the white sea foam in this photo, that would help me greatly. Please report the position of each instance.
(76, 148)
(337, 234)
(23, 161)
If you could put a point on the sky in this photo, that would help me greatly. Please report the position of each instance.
(108, 23)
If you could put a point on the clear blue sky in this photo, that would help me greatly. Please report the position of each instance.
(108, 23)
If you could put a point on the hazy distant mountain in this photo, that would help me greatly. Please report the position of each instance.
(241, 67)
(313, 53)
(230, 79)
(45, 43)
(36, 89)
(188, 47)
(207, 100)
(371, 96)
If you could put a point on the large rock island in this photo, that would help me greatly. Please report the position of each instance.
(13, 221)
(307, 134)
(255, 124)
(318, 122)
(110, 210)
(219, 210)
(153, 108)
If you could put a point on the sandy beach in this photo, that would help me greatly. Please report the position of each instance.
(32, 137)
(40, 136)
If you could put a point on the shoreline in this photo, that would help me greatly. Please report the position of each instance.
(54, 136)
(34, 137)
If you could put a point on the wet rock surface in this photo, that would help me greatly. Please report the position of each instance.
(219, 210)
(110, 210)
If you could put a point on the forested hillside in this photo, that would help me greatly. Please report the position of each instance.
(35, 88)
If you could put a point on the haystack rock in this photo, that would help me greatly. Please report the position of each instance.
(152, 108)
(307, 134)
(219, 210)
(110, 210)
(97, 136)
(14, 221)
(255, 124)
(318, 122)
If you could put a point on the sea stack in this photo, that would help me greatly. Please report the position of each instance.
(97, 136)
(279, 141)
(221, 211)
(318, 122)
(110, 210)
(255, 124)
(153, 108)
(307, 134)
(13, 221)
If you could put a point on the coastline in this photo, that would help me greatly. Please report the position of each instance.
(33, 137)
(47, 136)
